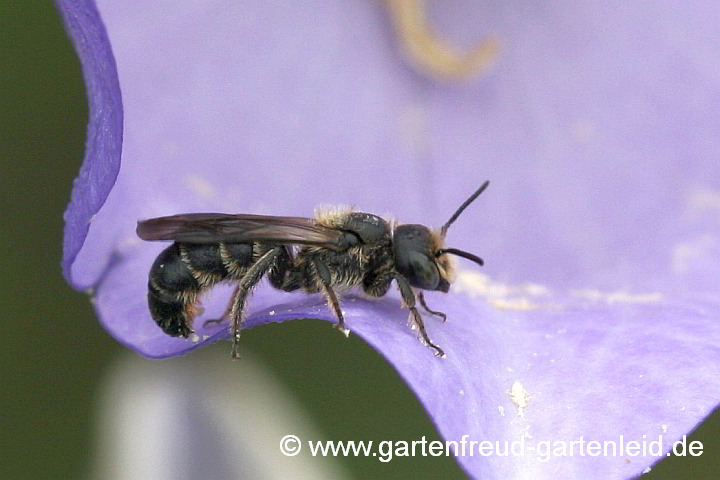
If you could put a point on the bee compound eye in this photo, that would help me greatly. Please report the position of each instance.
(425, 274)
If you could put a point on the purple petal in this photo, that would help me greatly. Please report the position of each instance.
(597, 129)
(104, 139)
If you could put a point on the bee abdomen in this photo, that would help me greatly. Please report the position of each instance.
(182, 271)
(205, 262)
(169, 313)
(172, 288)
(234, 258)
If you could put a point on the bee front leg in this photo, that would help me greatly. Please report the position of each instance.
(249, 280)
(325, 279)
(409, 298)
(421, 297)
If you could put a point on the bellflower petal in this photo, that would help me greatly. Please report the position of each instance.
(601, 229)
(105, 128)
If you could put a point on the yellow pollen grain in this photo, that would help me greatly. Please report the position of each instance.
(520, 397)
(617, 297)
(504, 296)
(432, 55)
(523, 304)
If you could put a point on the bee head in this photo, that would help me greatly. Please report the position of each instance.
(421, 256)
(415, 258)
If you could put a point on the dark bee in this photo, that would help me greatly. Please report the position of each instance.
(335, 250)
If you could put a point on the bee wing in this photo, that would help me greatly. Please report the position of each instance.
(243, 228)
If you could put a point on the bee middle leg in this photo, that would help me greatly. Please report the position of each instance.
(409, 298)
(282, 274)
(325, 278)
(249, 280)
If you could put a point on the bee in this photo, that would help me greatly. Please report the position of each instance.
(336, 250)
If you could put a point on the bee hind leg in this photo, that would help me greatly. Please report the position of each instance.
(225, 316)
(249, 280)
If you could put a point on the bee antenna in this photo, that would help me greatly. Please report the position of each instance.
(461, 253)
(457, 213)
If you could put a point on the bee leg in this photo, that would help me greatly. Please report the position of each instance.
(281, 274)
(421, 297)
(249, 280)
(325, 278)
(215, 321)
(225, 316)
(409, 298)
(377, 285)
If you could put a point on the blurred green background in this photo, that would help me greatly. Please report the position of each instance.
(55, 353)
